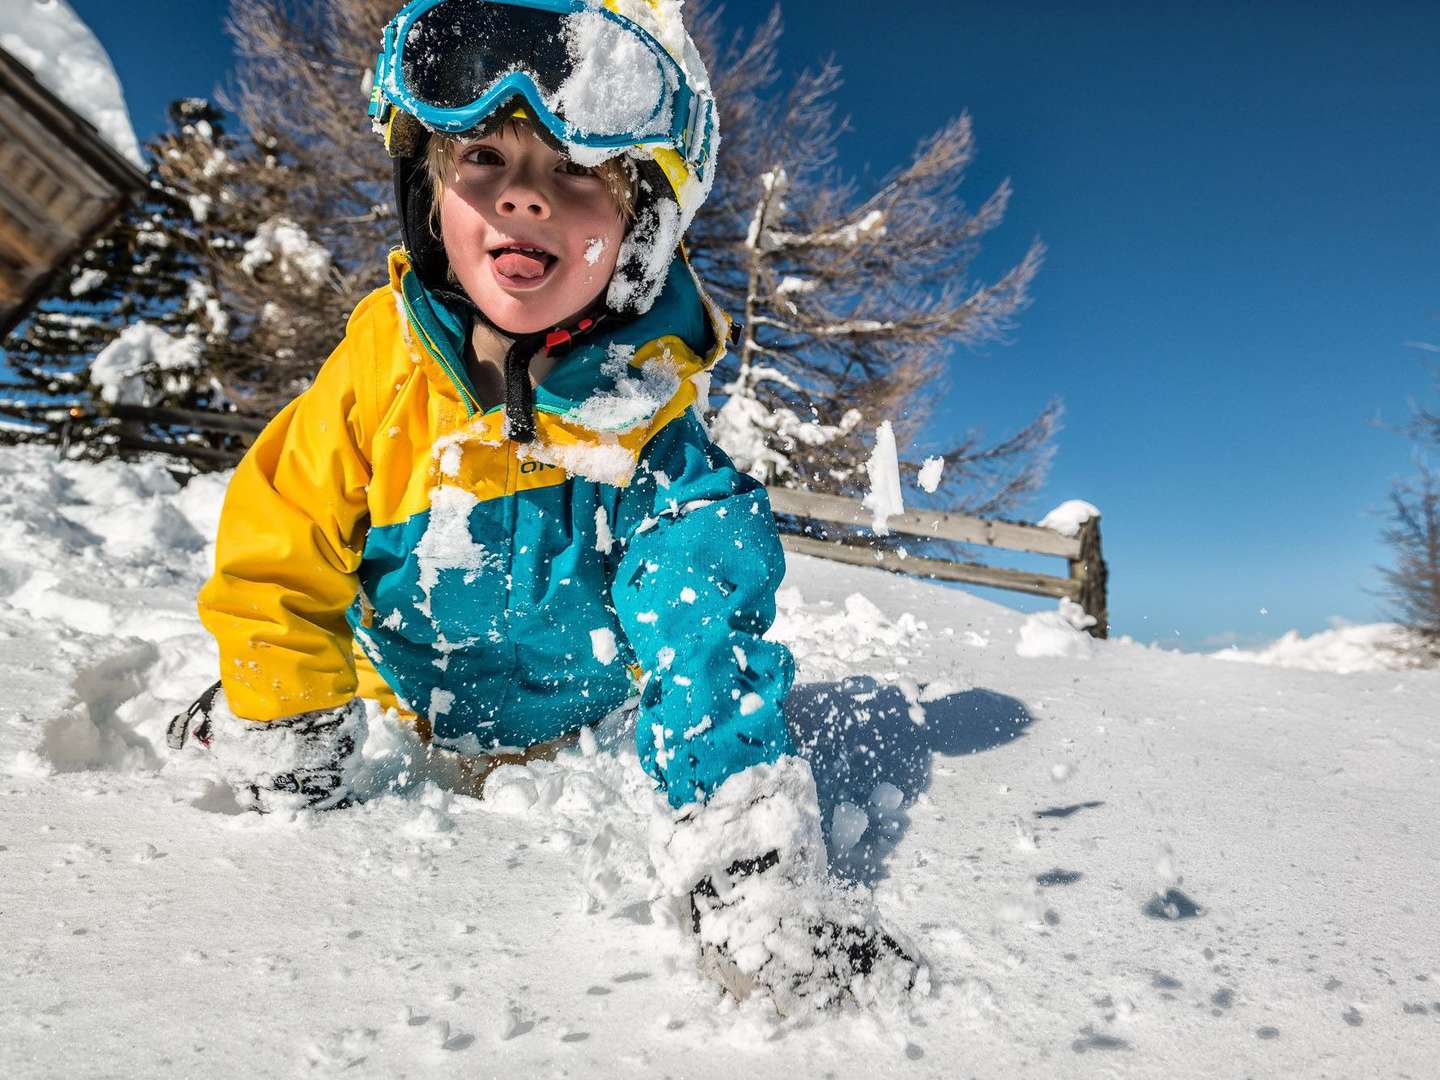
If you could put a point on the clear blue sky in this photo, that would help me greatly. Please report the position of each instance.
(1240, 202)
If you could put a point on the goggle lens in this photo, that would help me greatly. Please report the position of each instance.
(456, 51)
(593, 72)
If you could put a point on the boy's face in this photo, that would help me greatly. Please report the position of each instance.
(513, 191)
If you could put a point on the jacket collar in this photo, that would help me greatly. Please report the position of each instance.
(682, 313)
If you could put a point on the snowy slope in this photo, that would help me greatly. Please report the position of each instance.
(1343, 649)
(150, 933)
(59, 49)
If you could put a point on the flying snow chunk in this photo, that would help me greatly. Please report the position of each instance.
(886, 797)
(883, 469)
(1067, 518)
(847, 824)
(602, 644)
(930, 474)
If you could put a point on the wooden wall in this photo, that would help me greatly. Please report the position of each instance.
(61, 185)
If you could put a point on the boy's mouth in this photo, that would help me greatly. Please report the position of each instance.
(521, 263)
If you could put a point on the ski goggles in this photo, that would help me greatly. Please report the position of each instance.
(594, 78)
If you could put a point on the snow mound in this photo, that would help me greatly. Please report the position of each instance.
(1057, 634)
(56, 45)
(1343, 650)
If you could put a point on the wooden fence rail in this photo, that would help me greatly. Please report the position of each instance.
(1085, 584)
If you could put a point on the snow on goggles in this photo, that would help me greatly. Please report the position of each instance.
(594, 78)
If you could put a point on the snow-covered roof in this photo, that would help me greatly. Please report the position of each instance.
(66, 57)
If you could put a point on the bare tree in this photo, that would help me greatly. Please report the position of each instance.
(1412, 533)
(848, 304)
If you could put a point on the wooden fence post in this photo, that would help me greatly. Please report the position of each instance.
(1089, 571)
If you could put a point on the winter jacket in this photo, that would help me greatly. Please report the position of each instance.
(384, 537)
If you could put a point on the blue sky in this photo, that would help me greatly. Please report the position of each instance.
(1240, 203)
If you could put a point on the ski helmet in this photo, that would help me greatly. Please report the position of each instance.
(601, 78)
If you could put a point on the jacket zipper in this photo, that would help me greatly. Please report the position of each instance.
(472, 406)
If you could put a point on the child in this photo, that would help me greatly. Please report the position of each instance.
(496, 508)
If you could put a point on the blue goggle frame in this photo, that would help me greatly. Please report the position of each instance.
(691, 114)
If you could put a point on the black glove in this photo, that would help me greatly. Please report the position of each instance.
(304, 762)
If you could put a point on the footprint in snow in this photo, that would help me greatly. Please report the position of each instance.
(1093, 1040)
(1174, 905)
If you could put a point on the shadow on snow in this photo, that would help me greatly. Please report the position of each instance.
(858, 734)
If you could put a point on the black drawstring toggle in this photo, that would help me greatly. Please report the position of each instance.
(519, 394)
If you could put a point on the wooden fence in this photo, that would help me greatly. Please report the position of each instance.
(140, 428)
(1085, 584)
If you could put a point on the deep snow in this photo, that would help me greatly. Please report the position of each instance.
(1018, 817)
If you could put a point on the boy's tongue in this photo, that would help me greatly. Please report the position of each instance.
(521, 264)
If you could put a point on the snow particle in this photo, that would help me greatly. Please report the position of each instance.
(603, 540)
(602, 645)
(930, 473)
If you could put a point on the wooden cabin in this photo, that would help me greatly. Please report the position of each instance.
(61, 186)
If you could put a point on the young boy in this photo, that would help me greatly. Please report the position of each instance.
(496, 508)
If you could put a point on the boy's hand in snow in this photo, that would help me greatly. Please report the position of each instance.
(304, 762)
(770, 923)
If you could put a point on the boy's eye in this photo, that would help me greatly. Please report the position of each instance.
(483, 155)
(571, 168)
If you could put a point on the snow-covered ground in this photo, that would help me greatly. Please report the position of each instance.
(1047, 804)
(1343, 649)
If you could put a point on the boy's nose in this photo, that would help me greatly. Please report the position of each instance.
(523, 199)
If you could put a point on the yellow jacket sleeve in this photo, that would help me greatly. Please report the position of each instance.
(291, 534)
